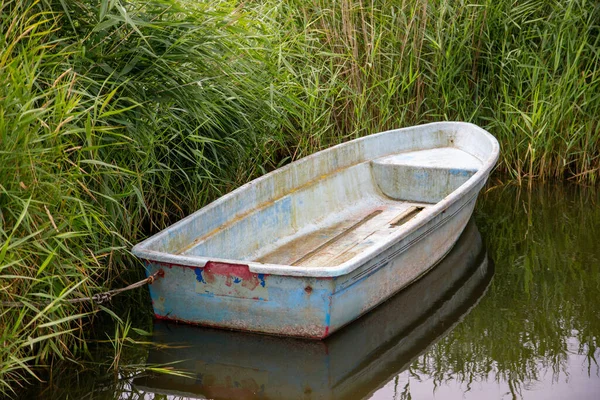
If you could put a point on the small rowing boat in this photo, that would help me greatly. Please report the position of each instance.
(308, 248)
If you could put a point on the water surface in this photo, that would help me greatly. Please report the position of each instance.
(512, 312)
(535, 333)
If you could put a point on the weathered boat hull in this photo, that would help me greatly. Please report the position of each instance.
(216, 272)
(351, 364)
(311, 307)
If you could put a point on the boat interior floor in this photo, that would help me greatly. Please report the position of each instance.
(331, 219)
(336, 241)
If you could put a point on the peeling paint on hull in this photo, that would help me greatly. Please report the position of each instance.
(308, 248)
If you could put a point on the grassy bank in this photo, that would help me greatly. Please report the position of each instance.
(528, 71)
(117, 119)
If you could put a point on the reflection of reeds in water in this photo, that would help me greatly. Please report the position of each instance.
(545, 294)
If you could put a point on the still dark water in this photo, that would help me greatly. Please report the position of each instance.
(512, 312)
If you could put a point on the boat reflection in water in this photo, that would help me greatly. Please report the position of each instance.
(351, 364)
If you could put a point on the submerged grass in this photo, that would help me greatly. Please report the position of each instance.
(118, 118)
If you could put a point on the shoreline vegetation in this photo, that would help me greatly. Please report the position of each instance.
(118, 118)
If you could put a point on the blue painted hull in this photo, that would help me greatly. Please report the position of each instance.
(300, 306)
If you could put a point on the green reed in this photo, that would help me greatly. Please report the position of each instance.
(529, 71)
(116, 119)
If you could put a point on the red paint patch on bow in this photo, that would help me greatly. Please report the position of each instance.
(230, 271)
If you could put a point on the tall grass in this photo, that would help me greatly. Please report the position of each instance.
(116, 119)
(529, 71)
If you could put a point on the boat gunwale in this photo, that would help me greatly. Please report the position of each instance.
(142, 251)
